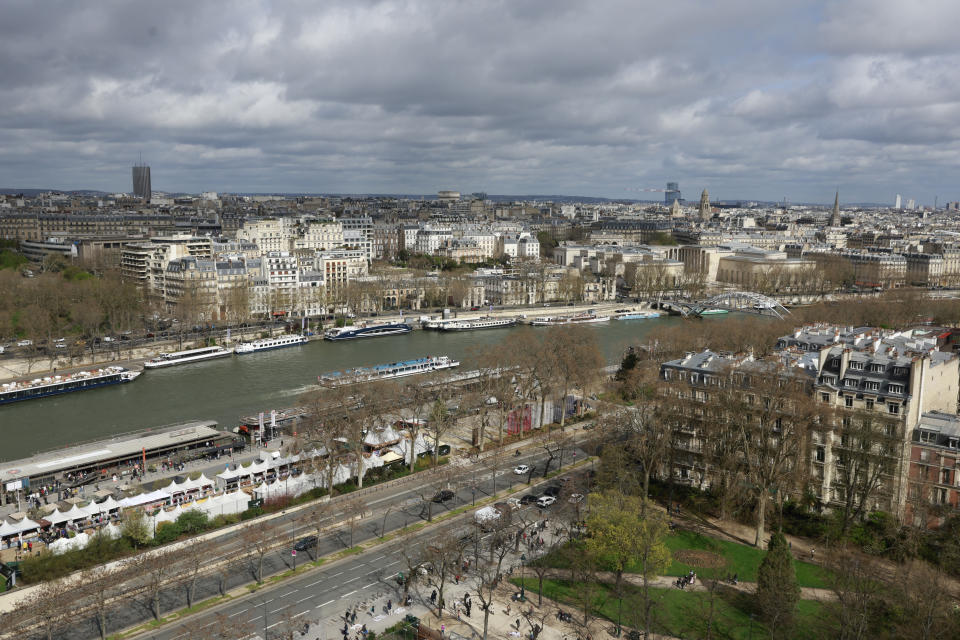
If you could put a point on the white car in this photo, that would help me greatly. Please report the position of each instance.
(576, 497)
(107, 339)
(521, 469)
(24, 343)
(545, 501)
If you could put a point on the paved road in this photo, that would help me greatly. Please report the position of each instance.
(350, 580)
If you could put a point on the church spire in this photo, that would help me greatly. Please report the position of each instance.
(705, 211)
(835, 216)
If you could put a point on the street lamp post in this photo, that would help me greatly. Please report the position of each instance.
(523, 581)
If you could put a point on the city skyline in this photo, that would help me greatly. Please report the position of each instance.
(746, 100)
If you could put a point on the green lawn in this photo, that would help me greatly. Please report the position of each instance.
(677, 613)
(741, 559)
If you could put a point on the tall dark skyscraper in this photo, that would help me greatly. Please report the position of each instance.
(671, 193)
(141, 182)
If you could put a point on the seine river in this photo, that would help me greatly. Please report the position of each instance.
(228, 388)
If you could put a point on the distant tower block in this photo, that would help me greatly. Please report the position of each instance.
(897, 204)
(141, 182)
(671, 194)
(835, 216)
(704, 209)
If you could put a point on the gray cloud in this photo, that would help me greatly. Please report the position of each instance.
(746, 98)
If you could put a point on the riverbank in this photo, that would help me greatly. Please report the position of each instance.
(133, 358)
(224, 389)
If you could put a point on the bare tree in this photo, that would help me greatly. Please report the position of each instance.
(317, 517)
(441, 555)
(291, 625)
(858, 591)
(223, 627)
(193, 558)
(257, 539)
(49, 611)
(774, 415)
(318, 429)
(413, 412)
(868, 452)
(99, 586)
(156, 569)
(356, 508)
(489, 570)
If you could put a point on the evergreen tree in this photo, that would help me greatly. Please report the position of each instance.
(777, 590)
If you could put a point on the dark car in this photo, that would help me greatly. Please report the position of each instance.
(552, 491)
(303, 544)
(529, 499)
(443, 495)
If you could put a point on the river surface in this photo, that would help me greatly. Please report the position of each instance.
(229, 388)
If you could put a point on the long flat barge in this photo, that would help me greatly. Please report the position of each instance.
(55, 385)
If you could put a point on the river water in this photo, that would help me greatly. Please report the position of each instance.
(228, 388)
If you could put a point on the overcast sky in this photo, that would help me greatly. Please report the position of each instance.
(764, 99)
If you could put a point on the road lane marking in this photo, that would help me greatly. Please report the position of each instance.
(303, 600)
(288, 594)
(237, 613)
(324, 604)
(312, 584)
(368, 586)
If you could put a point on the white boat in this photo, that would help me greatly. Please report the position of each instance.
(630, 314)
(477, 323)
(183, 357)
(365, 330)
(580, 318)
(388, 371)
(713, 312)
(55, 385)
(289, 340)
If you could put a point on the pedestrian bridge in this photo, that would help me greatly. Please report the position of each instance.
(744, 301)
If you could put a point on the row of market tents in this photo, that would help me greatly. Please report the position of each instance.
(229, 493)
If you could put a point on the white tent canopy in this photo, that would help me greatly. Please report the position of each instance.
(103, 507)
(144, 498)
(25, 525)
(71, 515)
(6, 529)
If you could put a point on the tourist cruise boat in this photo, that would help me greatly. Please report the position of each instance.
(367, 331)
(485, 322)
(630, 314)
(183, 357)
(580, 318)
(55, 385)
(289, 340)
(388, 371)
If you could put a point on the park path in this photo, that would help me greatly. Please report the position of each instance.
(669, 582)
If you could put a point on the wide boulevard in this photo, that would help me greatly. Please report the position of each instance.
(325, 592)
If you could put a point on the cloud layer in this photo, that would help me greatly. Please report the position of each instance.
(749, 99)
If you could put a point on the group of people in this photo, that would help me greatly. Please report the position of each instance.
(689, 579)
